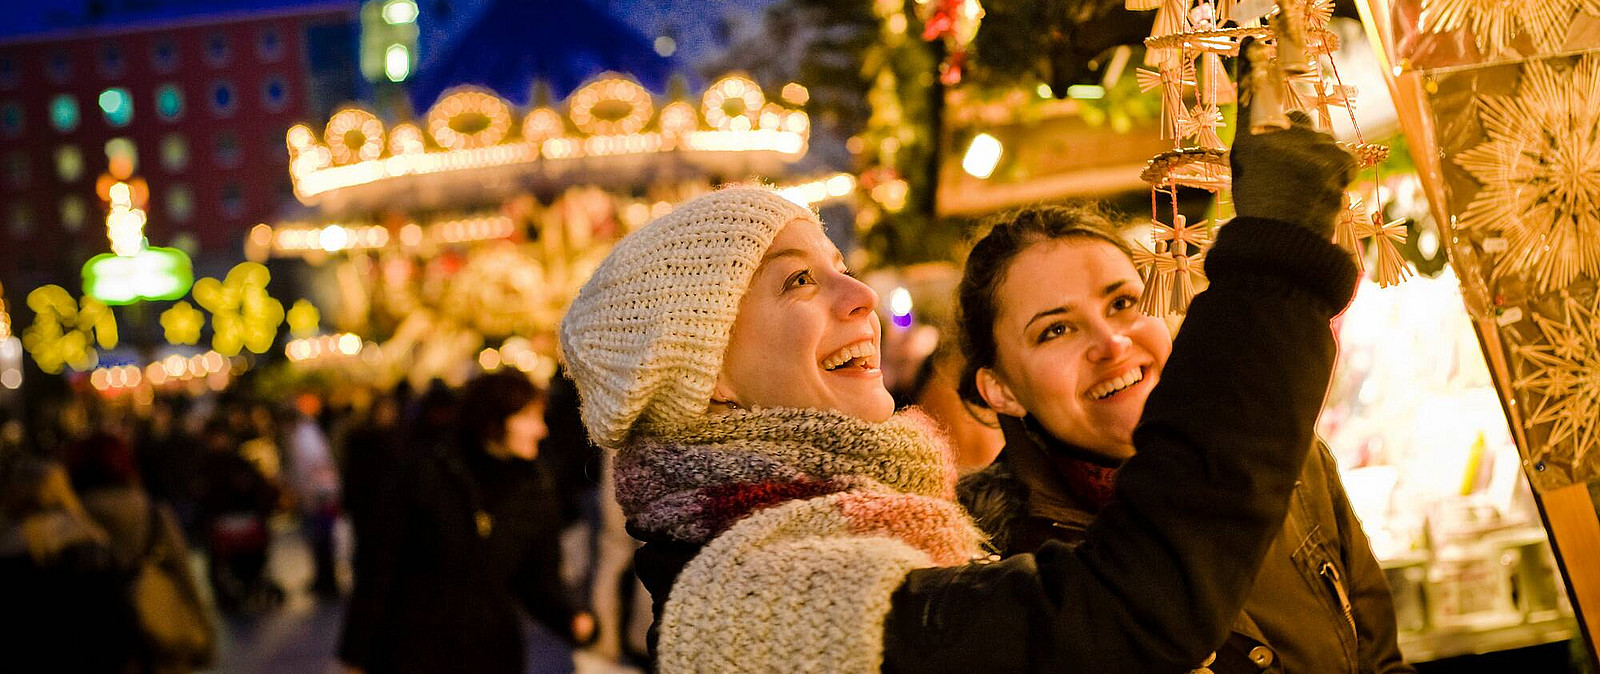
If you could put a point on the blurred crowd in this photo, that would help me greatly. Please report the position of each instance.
(149, 522)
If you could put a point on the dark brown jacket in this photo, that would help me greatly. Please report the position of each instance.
(1320, 602)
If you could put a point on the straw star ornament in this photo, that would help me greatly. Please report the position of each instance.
(1494, 24)
(1559, 379)
(1540, 171)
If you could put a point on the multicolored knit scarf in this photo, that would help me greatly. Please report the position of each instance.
(810, 521)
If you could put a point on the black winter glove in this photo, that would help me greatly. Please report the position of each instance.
(1296, 175)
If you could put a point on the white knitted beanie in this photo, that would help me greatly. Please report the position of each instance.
(645, 338)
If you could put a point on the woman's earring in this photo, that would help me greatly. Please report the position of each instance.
(726, 404)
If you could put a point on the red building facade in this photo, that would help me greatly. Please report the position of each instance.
(204, 103)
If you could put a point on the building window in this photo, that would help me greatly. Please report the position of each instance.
(73, 212)
(10, 119)
(233, 201)
(164, 55)
(174, 153)
(64, 112)
(217, 50)
(18, 171)
(275, 94)
(226, 151)
(20, 220)
(180, 202)
(58, 67)
(223, 99)
(8, 73)
(169, 101)
(69, 163)
(117, 104)
(111, 63)
(269, 45)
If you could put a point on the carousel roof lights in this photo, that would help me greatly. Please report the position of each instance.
(613, 116)
(354, 135)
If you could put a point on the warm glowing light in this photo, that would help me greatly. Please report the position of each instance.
(333, 238)
(411, 234)
(1044, 91)
(982, 156)
(406, 139)
(542, 123)
(1086, 91)
(299, 138)
(469, 118)
(795, 94)
(489, 359)
(610, 106)
(349, 344)
(354, 135)
(731, 98)
(900, 307)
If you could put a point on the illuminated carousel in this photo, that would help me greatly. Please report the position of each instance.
(457, 240)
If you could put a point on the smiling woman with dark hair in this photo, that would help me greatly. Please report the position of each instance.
(467, 533)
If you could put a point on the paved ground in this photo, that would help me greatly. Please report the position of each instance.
(300, 636)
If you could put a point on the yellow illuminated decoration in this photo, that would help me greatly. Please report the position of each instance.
(243, 315)
(354, 135)
(65, 332)
(303, 319)
(181, 324)
(5, 318)
(469, 118)
(611, 106)
(730, 100)
(472, 129)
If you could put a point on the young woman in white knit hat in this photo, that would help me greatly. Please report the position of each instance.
(793, 522)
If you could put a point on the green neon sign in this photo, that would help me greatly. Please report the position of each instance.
(152, 274)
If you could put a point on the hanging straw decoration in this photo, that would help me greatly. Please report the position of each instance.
(1170, 19)
(1157, 268)
(1187, 278)
(1186, 47)
(1347, 230)
(1387, 237)
(1202, 123)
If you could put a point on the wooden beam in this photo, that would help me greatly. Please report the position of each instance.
(1572, 516)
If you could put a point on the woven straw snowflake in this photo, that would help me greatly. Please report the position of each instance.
(1495, 23)
(1540, 171)
(1558, 380)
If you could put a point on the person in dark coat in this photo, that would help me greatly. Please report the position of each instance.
(64, 606)
(371, 449)
(467, 535)
(793, 522)
(1067, 367)
(104, 474)
(234, 501)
